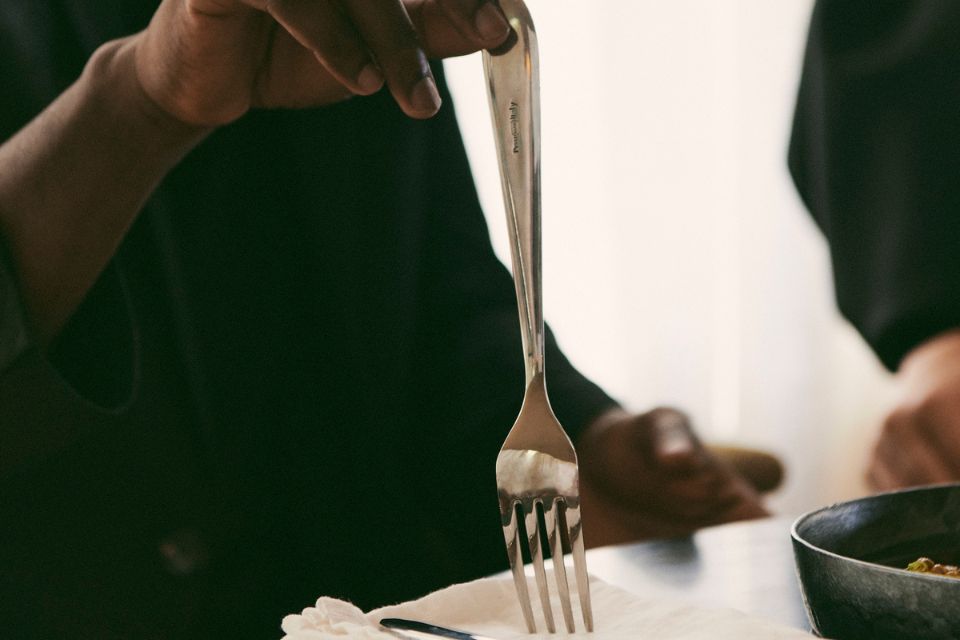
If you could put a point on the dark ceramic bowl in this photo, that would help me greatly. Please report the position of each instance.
(850, 557)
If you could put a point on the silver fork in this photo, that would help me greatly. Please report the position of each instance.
(537, 474)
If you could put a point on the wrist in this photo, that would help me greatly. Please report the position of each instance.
(111, 75)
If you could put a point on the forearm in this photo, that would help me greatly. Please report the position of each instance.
(73, 180)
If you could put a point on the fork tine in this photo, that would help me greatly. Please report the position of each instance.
(559, 568)
(575, 532)
(511, 534)
(536, 554)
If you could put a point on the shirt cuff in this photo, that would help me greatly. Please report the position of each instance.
(14, 337)
(95, 356)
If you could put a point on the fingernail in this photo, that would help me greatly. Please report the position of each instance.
(370, 79)
(425, 97)
(490, 23)
(675, 444)
(673, 435)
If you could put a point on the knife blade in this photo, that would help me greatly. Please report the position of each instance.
(429, 629)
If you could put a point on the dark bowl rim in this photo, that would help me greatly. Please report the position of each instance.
(872, 566)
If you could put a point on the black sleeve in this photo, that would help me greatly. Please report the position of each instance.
(85, 380)
(14, 339)
(87, 376)
(471, 310)
(875, 154)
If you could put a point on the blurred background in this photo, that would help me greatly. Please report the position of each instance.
(680, 267)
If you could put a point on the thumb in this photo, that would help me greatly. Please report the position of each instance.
(670, 440)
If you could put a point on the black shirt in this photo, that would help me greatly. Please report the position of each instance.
(292, 380)
(876, 157)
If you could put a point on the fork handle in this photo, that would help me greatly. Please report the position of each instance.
(513, 87)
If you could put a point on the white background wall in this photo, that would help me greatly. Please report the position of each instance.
(679, 265)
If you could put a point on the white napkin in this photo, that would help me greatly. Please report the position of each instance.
(489, 607)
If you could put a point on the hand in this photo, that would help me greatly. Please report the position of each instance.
(648, 476)
(919, 442)
(207, 62)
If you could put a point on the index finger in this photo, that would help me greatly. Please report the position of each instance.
(402, 35)
(389, 34)
(476, 24)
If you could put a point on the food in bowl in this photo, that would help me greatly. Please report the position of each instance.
(926, 565)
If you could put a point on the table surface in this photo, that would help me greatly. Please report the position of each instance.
(746, 566)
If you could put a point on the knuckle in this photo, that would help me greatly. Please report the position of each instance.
(893, 423)
(900, 422)
(341, 57)
(932, 406)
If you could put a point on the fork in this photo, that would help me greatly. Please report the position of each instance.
(537, 474)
